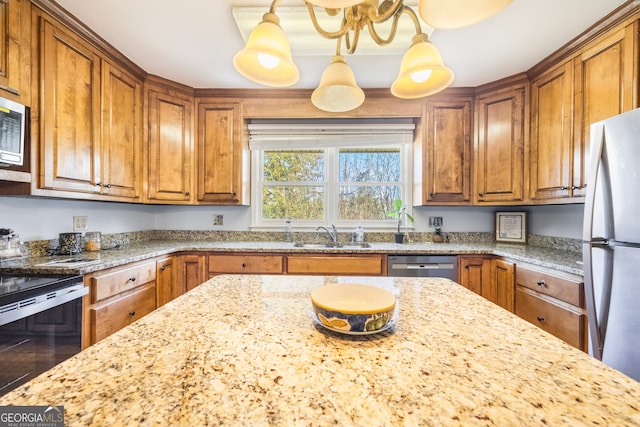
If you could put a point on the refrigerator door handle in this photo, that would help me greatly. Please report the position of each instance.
(597, 147)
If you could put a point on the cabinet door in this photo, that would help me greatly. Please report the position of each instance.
(550, 173)
(499, 153)
(165, 280)
(15, 69)
(503, 278)
(475, 275)
(191, 272)
(220, 153)
(121, 132)
(606, 78)
(69, 111)
(447, 154)
(170, 150)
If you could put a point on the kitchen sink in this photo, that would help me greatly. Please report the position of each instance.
(315, 245)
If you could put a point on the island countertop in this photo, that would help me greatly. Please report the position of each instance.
(245, 350)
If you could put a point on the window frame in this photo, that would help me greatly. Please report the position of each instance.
(331, 185)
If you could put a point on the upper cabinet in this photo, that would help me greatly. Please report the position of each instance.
(443, 156)
(501, 126)
(88, 121)
(222, 153)
(598, 80)
(15, 69)
(169, 153)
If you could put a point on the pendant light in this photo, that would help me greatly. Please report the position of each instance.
(338, 90)
(266, 58)
(458, 13)
(422, 72)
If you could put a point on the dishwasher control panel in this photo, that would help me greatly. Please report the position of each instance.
(423, 266)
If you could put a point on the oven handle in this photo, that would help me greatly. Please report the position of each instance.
(30, 306)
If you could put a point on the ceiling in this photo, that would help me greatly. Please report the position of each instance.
(193, 41)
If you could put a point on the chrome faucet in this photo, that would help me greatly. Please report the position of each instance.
(333, 233)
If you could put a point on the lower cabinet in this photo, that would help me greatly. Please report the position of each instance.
(346, 265)
(118, 297)
(245, 264)
(166, 285)
(191, 272)
(554, 301)
(492, 278)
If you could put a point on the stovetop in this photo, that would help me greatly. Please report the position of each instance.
(14, 287)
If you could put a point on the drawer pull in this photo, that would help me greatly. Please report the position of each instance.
(132, 278)
(540, 282)
(540, 319)
(132, 313)
(244, 265)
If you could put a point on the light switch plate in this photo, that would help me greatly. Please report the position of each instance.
(80, 223)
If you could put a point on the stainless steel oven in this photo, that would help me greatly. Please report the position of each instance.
(40, 324)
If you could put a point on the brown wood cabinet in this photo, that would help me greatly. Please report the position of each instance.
(499, 155)
(222, 153)
(89, 117)
(166, 286)
(474, 273)
(118, 297)
(347, 265)
(169, 155)
(245, 264)
(503, 281)
(15, 63)
(554, 301)
(191, 272)
(446, 159)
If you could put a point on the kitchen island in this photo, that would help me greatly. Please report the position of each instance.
(245, 350)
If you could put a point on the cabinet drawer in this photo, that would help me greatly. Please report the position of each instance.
(251, 264)
(565, 288)
(333, 264)
(120, 312)
(563, 322)
(105, 285)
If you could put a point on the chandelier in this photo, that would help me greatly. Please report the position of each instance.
(266, 58)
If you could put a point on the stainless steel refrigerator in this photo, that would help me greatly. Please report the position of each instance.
(611, 248)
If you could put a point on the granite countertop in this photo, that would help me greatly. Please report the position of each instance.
(566, 261)
(244, 350)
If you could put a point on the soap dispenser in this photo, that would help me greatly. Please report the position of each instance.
(359, 233)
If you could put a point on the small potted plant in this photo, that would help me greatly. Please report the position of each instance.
(438, 237)
(398, 212)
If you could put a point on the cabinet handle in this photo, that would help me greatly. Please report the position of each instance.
(132, 278)
(563, 188)
(466, 266)
(99, 184)
(187, 193)
(163, 268)
(108, 185)
(575, 187)
(540, 282)
(244, 265)
(481, 194)
(430, 194)
(132, 313)
(540, 319)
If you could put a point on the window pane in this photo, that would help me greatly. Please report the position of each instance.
(304, 203)
(366, 202)
(294, 166)
(369, 165)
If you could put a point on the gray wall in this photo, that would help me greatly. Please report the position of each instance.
(42, 219)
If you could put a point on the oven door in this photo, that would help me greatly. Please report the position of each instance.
(47, 330)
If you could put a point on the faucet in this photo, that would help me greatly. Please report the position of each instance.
(333, 233)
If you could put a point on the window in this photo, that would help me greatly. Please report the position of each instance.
(339, 175)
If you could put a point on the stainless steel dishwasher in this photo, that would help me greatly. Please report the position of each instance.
(423, 266)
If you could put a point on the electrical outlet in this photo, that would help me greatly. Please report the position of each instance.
(218, 219)
(80, 223)
(435, 221)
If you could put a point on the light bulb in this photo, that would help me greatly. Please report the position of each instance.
(421, 76)
(268, 61)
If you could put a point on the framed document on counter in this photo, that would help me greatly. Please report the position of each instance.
(511, 227)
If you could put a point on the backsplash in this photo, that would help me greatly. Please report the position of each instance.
(49, 247)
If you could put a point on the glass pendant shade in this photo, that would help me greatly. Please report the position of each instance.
(266, 58)
(338, 90)
(458, 13)
(335, 4)
(422, 72)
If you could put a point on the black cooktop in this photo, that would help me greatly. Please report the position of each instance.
(15, 287)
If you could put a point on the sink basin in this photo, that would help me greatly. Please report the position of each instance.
(312, 245)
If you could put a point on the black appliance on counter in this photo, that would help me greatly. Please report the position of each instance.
(40, 324)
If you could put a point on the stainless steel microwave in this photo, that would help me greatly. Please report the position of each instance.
(13, 118)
